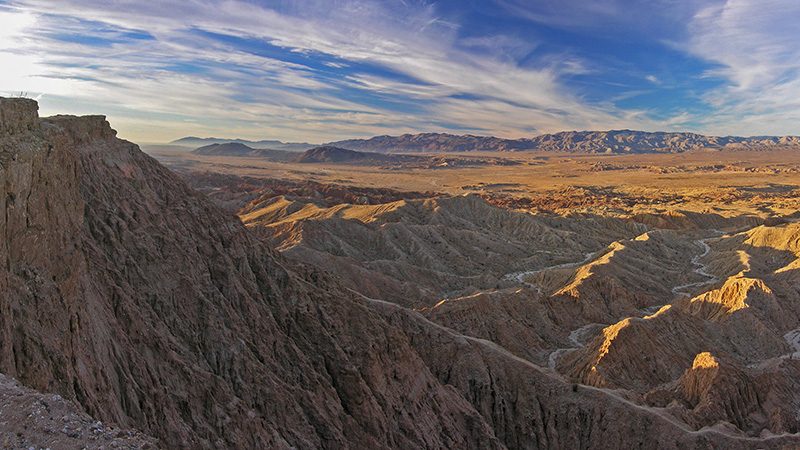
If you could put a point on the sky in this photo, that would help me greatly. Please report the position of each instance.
(323, 70)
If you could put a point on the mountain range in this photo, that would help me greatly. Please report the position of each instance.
(194, 142)
(327, 154)
(312, 155)
(613, 142)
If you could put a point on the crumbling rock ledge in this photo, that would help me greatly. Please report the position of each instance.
(18, 115)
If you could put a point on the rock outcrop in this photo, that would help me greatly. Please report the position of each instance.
(18, 115)
(714, 391)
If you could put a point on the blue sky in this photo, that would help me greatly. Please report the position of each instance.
(319, 70)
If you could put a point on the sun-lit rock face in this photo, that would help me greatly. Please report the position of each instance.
(736, 294)
(715, 390)
(705, 360)
(418, 251)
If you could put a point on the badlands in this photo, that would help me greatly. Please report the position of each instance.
(666, 281)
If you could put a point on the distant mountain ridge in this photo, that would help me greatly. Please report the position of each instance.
(434, 142)
(194, 142)
(629, 141)
(239, 149)
(327, 153)
(614, 141)
(322, 154)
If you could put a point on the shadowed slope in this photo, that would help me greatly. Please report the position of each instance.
(131, 294)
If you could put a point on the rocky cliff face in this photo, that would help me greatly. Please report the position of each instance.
(130, 294)
(135, 297)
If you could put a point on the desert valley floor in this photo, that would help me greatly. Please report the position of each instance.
(729, 183)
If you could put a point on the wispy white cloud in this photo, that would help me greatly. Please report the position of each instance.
(652, 17)
(259, 95)
(14, 26)
(754, 43)
(442, 80)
